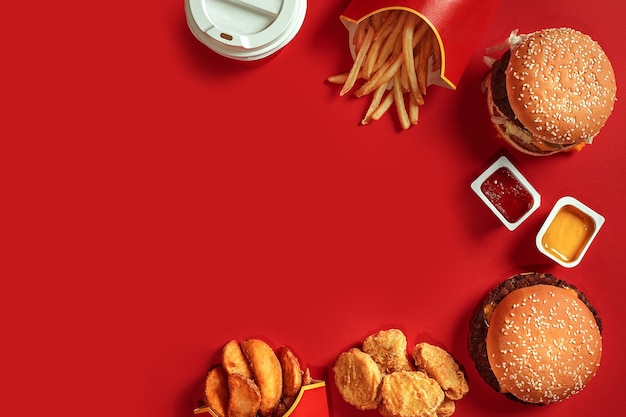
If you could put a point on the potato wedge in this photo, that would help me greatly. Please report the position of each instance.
(266, 372)
(280, 409)
(292, 373)
(306, 377)
(215, 394)
(234, 361)
(244, 396)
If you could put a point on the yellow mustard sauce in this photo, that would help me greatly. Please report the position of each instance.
(568, 233)
(488, 310)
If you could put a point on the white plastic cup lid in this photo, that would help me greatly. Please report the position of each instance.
(245, 29)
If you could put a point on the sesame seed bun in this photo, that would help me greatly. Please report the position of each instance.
(536, 339)
(513, 137)
(557, 89)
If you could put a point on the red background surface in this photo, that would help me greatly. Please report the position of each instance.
(160, 200)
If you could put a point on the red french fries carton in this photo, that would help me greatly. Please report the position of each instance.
(457, 24)
(311, 401)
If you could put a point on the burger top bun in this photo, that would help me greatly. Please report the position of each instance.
(528, 148)
(543, 344)
(561, 85)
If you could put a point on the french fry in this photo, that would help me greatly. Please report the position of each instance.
(388, 46)
(377, 20)
(354, 71)
(385, 103)
(421, 64)
(407, 51)
(338, 78)
(398, 98)
(359, 36)
(414, 108)
(420, 32)
(393, 51)
(404, 78)
(383, 76)
(386, 21)
(372, 82)
(419, 38)
(376, 99)
(380, 37)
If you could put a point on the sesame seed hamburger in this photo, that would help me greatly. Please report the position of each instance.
(536, 339)
(551, 91)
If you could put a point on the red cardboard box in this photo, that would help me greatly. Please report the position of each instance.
(457, 24)
(310, 402)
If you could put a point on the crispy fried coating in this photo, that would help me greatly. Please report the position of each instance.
(447, 408)
(441, 366)
(234, 361)
(358, 379)
(244, 396)
(292, 374)
(410, 394)
(388, 348)
(280, 409)
(215, 393)
(306, 377)
(266, 371)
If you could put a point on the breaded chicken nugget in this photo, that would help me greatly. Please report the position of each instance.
(410, 394)
(447, 408)
(244, 397)
(388, 349)
(358, 379)
(215, 393)
(442, 367)
(234, 361)
(266, 371)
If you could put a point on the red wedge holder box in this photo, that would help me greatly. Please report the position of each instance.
(311, 401)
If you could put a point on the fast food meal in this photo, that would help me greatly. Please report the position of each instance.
(253, 380)
(394, 52)
(536, 339)
(379, 375)
(550, 91)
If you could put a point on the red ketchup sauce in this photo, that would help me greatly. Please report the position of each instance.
(507, 194)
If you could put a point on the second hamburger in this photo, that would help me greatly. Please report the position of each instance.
(536, 339)
(551, 91)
